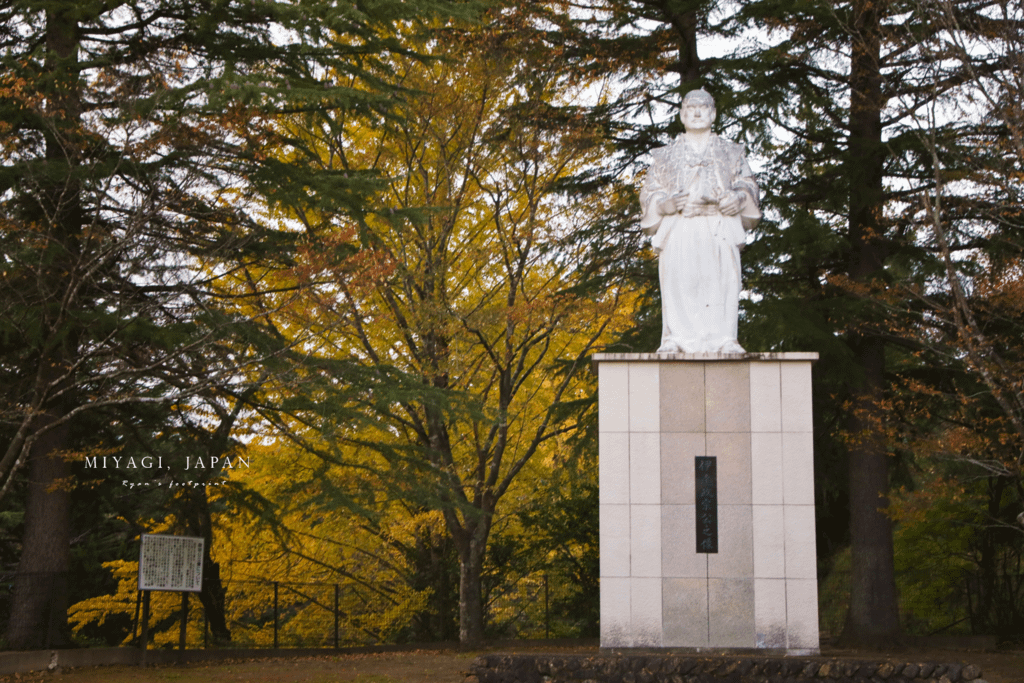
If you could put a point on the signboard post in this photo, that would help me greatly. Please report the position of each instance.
(169, 563)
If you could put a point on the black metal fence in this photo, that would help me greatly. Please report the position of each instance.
(316, 614)
(965, 605)
(541, 606)
(290, 614)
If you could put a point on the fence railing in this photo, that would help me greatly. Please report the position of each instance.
(275, 614)
(282, 614)
(541, 606)
(964, 605)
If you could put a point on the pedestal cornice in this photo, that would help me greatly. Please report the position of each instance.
(792, 356)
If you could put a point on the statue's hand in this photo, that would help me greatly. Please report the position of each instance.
(731, 204)
(673, 204)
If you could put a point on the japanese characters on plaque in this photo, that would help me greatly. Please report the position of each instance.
(706, 484)
(171, 563)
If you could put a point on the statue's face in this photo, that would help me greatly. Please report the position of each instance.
(697, 116)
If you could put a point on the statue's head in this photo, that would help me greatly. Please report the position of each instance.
(702, 96)
(697, 112)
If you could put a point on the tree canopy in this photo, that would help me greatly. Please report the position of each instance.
(457, 296)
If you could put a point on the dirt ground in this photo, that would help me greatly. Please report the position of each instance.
(436, 667)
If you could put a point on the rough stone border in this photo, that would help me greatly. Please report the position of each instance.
(648, 668)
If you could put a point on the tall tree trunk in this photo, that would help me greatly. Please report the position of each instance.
(682, 16)
(874, 613)
(472, 548)
(199, 521)
(873, 619)
(39, 609)
(471, 609)
(214, 599)
(989, 622)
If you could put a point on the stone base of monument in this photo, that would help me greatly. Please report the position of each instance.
(668, 668)
(707, 502)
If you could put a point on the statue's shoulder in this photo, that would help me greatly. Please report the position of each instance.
(663, 152)
(668, 156)
(730, 147)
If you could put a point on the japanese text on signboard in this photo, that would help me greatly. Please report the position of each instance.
(706, 480)
(171, 563)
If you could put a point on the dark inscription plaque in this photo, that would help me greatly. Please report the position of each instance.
(706, 470)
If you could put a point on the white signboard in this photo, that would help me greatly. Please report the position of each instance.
(171, 563)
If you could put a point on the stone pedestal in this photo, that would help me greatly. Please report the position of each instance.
(707, 501)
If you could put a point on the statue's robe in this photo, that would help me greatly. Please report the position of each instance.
(699, 247)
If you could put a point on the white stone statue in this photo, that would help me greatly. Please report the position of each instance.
(698, 200)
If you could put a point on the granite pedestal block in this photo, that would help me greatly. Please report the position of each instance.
(707, 501)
